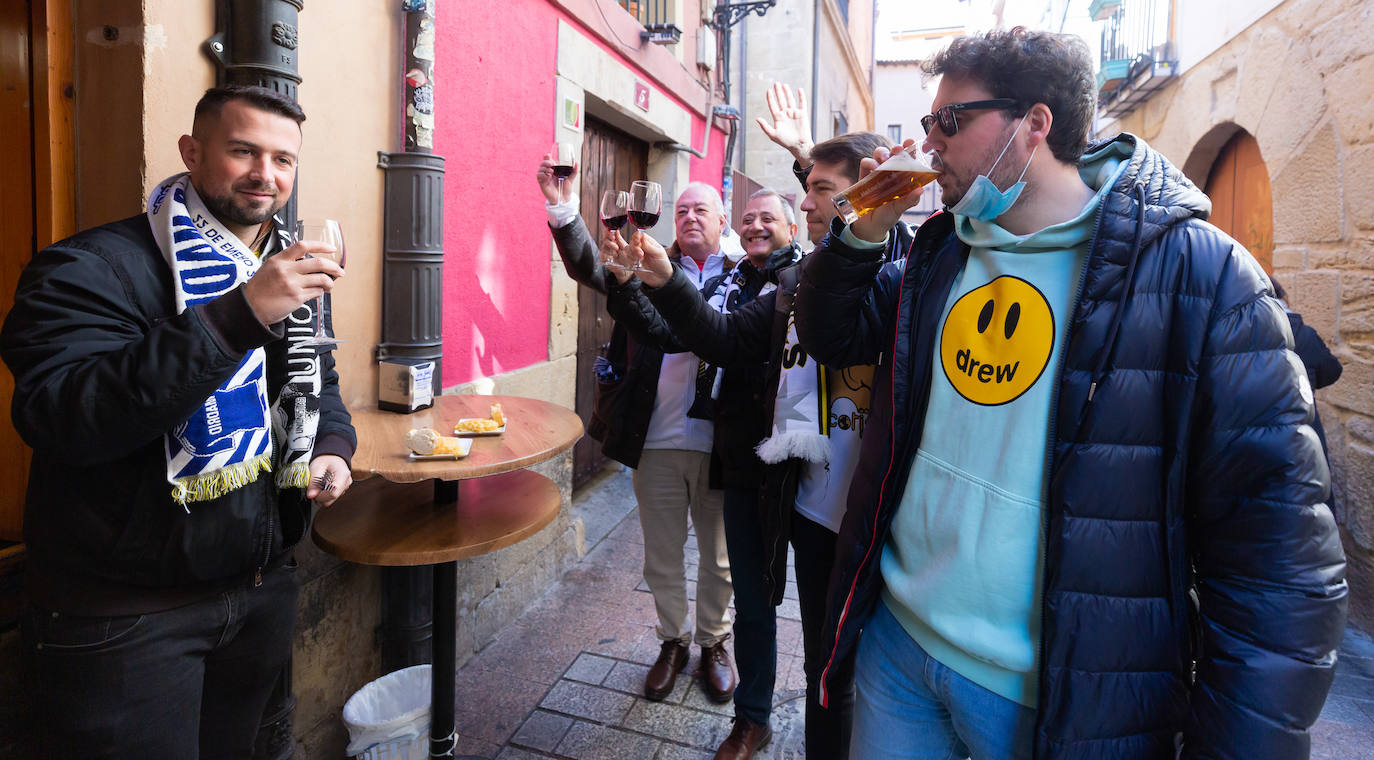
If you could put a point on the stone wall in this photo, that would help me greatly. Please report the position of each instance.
(1301, 81)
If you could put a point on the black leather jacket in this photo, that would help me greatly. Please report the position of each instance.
(103, 367)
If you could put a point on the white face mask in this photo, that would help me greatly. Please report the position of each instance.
(984, 201)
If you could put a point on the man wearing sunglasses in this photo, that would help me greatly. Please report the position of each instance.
(1089, 518)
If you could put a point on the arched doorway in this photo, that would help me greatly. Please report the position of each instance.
(1242, 204)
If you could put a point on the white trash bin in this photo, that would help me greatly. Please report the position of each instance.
(388, 719)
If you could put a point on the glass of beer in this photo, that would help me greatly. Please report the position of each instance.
(905, 171)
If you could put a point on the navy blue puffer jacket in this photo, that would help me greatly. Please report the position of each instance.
(1183, 460)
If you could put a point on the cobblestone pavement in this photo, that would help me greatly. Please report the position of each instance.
(564, 680)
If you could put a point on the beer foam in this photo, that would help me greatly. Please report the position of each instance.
(903, 161)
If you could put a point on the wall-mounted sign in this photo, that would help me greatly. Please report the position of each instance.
(642, 95)
(572, 114)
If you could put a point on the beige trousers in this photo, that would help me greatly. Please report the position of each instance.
(670, 484)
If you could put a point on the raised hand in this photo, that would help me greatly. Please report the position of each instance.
(548, 184)
(289, 279)
(791, 127)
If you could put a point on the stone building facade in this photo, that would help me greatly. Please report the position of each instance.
(1300, 80)
(824, 47)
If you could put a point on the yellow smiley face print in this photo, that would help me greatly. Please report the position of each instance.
(997, 341)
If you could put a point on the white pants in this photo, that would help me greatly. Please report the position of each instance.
(670, 484)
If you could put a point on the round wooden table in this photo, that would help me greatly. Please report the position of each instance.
(477, 504)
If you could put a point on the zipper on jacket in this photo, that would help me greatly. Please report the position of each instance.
(1050, 440)
(266, 553)
(882, 489)
(1050, 445)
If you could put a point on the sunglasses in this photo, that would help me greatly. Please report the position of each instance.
(949, 125)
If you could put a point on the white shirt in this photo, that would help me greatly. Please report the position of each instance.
(669, 425)
(562, 214)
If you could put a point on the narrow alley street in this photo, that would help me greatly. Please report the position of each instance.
(564, 680)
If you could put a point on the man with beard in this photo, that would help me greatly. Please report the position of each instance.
(1089, 516)
(156, 361)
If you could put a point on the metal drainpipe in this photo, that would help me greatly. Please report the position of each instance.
(744, 92)
(412, 306)
(815, 67)
(256, 43)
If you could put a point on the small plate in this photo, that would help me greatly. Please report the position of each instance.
(469, 434)
(467, 446)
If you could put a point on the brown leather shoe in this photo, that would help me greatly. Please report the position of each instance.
(717, 672)
(672, 658)
(744, 740)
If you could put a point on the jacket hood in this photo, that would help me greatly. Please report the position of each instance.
(1168, 197)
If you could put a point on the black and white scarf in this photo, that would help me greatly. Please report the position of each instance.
(228, 441)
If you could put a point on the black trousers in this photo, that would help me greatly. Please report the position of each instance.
(827, 729)
(756, 639)
(185, 683)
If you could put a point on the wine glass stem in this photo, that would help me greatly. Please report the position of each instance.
(320, 333)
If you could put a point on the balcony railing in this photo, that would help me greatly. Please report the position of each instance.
(657, 17)
(649, 12)
(1138, 54)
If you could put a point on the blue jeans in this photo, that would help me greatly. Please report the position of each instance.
(911, 707)
(184, 683)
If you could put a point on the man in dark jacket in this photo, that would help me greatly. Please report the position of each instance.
(647, 417)
(150, 373)
(1086, 411)
(810, 459)
(1323, 368)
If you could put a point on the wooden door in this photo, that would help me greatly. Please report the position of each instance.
(611, 160)
(1242, 203)
(17, 235)
(36, 191)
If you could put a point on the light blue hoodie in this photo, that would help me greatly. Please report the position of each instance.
(963, 568)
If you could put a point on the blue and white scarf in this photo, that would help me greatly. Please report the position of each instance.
(227, 443)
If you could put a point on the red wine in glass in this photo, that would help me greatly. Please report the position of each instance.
(615, 205)
(646, 203)
(644, 219)
(564, 163)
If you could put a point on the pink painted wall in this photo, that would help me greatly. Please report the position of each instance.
(707, 170)
(495, 102)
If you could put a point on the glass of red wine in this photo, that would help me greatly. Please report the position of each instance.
(646, 203)
(564, 163)
(615, 209)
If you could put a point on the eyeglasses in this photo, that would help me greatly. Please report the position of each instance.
(949, 125)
